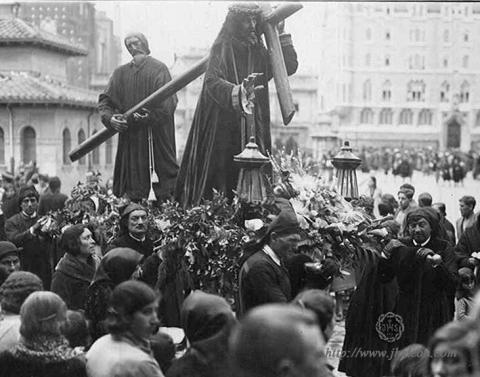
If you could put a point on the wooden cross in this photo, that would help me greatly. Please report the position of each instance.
(269, 20)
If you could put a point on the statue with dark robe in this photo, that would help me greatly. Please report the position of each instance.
(217, 134)
(146, 140)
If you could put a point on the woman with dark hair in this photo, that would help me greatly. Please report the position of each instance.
(132, 320)
(207, 321)
(43, 351)
(117, 266)
(76, 269)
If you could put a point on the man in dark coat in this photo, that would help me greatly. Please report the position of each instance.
(217, 134)
(426, 270)
(468, 244)
(133, 231)
(25, 230)
(264, 277)
(148, 129)
(53, 200)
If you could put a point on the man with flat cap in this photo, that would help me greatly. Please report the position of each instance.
(263, 276)
(426, 270)
(147, 138)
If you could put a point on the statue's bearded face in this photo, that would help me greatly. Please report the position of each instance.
(246, 29)
(135, 46)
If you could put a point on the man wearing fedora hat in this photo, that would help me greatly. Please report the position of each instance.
(263, 276)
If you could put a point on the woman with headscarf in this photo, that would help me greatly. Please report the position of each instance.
(117, 266)
(426, 271)
(75, 271)
(43, 351)
(207, 321)
(132, 320)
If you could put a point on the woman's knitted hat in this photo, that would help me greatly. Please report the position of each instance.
(17, 288)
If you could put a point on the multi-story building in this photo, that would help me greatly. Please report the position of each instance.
(80, 23)
(402, 74)
(42, 116)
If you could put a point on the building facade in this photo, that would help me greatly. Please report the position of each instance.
(80, 23)
(43, 116)
(402, 74)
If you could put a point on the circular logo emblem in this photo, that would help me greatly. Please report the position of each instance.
(390, 327)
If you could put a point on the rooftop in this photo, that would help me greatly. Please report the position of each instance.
(17, 31)
(27, 88)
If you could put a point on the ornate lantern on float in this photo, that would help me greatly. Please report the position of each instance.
(346, 162)
(252, 185)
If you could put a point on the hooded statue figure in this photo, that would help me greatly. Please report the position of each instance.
(147, 138)
(216, 132)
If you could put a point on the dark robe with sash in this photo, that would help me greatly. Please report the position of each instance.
(129, 85)
(216, 133)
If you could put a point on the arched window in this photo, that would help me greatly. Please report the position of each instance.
(465, 61)
(406, 117)
(81, 139)
(386, 116)
(67, 145)
(367, 90)
(465, 92)
(387, 61)
(477, 120)
(444, 92)
(366, 116)
(387, 91)
(29, 145)
(416, 91)
(95, 153)
(425, 117)
(446, 36)
(108, 151)
(2, 147)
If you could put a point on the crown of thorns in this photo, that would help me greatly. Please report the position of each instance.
(251, 9)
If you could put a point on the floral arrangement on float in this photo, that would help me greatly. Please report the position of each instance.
(214, 234)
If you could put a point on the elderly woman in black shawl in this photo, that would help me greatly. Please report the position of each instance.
(117, 266)
(426, 271)
(207, 321)
(216, 134)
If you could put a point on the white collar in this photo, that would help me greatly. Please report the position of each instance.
(137, 239)
(422, 244)
(30, 216)
(269, 251)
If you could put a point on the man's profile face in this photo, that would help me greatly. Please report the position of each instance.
(465, 209)
(29, 205)
(420, 230)
(137, 222)
(403, 200)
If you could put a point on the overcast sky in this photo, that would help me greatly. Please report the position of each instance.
(174, 27)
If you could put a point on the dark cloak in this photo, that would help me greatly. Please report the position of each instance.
(215, 135)
(129, 85)
(371, 298)
(426, 294)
